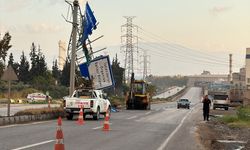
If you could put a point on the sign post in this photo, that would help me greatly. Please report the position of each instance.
(9, 75)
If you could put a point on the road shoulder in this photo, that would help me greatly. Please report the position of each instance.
(214, 134)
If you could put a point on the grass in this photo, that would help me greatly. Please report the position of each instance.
(241, 119)
(39, 111)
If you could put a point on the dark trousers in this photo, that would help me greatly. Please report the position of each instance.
(206, 114)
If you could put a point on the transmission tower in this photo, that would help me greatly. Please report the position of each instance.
(146, 63)
(129, 45)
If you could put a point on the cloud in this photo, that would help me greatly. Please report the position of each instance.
(42, 28)
(220, 9)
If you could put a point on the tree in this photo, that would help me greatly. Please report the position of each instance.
(118, 75)
(5, 46)
(11, 60)
(24, 74)
(65, 77)
(33, 59)
(55, 71)
(13, 64)
(41, 64)
(38, 64)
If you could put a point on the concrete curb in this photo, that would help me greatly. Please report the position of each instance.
(27, 118)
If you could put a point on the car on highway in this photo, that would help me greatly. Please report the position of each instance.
(183, 103)
(34, 97)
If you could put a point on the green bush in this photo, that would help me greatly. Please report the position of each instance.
(116, 101)
(229, 119)
(39, 111)
(243, 113)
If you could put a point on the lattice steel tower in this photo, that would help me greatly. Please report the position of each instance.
(146, 63)
(129, 45)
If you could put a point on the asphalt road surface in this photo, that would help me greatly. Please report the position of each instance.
(169, 92)
(163, 127)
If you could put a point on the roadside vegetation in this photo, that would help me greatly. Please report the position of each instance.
(40, 111)
(241, 119)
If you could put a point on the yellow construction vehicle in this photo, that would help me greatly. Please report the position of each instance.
(137, 97)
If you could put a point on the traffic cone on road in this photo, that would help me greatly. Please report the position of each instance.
(59, 136)
(80, 118)
(106, 122)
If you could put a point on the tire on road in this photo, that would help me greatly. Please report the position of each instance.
(69, 116)
(96, 116)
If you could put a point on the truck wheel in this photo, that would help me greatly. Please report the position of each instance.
(226, 108)
(213, 108)
(69, 116)
(96, 116)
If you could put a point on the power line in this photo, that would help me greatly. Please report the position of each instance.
(179, 47)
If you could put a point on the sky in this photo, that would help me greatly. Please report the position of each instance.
(181, 36)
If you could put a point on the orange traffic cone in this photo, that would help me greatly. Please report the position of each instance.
(80, 118)
(59, 136)
(106, 122)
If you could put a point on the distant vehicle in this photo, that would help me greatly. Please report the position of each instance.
(183, 103)
(36, 97)
(221, 100)
(94, 103)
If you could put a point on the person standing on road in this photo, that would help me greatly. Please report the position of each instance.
(206, 106)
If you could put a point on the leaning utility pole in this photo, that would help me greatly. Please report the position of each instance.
(73, 51)
(129, 47)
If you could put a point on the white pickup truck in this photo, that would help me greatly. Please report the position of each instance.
(94, 102)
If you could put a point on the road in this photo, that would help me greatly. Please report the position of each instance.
(170, 92)
(162, 128)
(18, 107)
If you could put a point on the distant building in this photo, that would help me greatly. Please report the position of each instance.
(62, 54)
(205, 72)
(248, 68)
(238, 86)
(239, 78)
(206, 78)
(247, 81)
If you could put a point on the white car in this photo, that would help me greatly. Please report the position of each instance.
(94, 103)
(36, 97)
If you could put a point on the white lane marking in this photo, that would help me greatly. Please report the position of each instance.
(26, 124)
(132, 117)
(148, 113)
(99, 127)
(157, 109)
(164, 144)
(229, 141)
(34, 145)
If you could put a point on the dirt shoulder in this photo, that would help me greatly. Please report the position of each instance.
(215, 135)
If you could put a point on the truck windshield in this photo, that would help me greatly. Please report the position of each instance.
(220, 97)
(85, 94)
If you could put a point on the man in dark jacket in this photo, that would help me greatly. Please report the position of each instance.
(206, 105)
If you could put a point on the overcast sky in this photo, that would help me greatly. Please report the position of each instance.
(212, 27)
